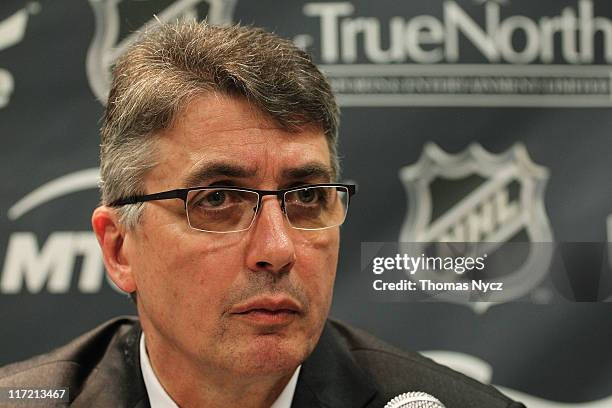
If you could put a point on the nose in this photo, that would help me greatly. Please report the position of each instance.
(271, 248)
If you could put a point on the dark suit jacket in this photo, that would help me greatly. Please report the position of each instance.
(348, 368)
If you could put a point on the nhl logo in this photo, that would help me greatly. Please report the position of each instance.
(12, 31)
(480, 201)
(106, 46)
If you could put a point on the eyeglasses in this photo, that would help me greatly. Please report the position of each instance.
(229, 209)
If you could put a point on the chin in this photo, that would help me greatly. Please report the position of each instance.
(271, 355)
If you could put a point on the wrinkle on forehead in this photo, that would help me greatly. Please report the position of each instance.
(265, 163)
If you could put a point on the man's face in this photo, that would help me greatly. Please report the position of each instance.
(251, 302)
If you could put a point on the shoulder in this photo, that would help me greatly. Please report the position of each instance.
(393, 372)
(70, 364)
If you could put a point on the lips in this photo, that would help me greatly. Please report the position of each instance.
(269, 305)
(267, 314)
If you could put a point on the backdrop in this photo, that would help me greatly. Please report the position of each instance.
(465, 120)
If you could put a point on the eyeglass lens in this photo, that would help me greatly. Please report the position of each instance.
(316, 207)
(232, 210)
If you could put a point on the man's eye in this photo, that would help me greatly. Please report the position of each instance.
(307, 196)
(215, 198)
(210, 199)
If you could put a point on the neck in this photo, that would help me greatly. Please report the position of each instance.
(191, 384)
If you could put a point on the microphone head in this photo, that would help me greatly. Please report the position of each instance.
(414, 399)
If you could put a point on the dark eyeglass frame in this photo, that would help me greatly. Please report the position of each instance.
(183, 194)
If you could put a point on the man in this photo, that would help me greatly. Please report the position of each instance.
(221, 217)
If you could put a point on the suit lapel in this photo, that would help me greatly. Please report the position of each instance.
(330, 377)
(117, 379)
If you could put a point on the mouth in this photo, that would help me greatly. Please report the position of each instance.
(268, 311)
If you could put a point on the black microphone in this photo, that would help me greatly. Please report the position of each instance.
(415, 399)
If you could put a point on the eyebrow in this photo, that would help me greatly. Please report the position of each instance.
(222, 169)
(215, 170)
(308, 170)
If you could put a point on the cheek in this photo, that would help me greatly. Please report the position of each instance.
(317, 259)
(186, 273)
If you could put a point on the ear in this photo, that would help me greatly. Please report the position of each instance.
(111, 237)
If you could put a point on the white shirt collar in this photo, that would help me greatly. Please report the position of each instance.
(159, 398)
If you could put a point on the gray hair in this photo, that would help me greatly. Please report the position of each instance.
(159, 74)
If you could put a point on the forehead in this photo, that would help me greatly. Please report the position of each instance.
(222, 132)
